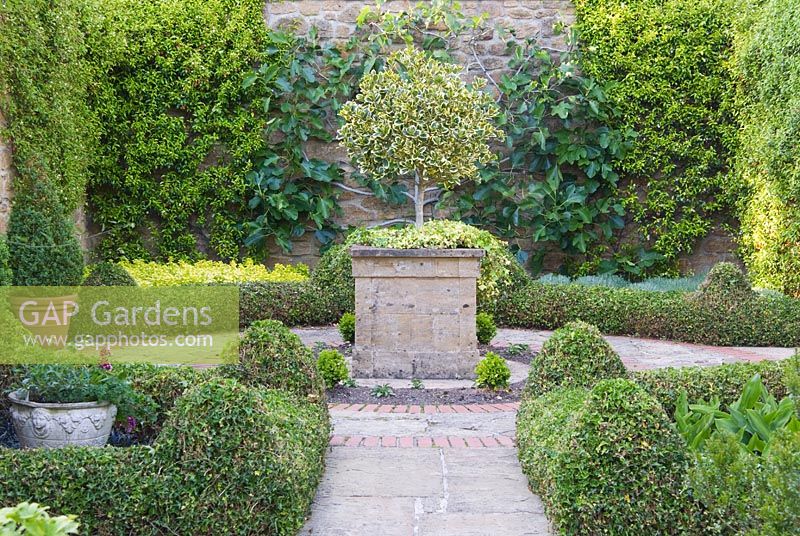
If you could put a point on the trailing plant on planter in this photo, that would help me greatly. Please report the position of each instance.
(59, 405)
(418, 119)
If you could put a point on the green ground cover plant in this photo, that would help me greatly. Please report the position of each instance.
(161, 274)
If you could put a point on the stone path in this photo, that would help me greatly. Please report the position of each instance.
(411, 470)
(637, 354)
(436, 471)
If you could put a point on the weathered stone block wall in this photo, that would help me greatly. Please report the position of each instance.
(415, 312)
(6, 178)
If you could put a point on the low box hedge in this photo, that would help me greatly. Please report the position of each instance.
(294, 303)
(723, 381)
(228, 456)
(689, 317)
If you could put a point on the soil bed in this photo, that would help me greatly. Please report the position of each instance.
(421, 397)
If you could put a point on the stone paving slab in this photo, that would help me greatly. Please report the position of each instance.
(423, 424)
(637, 354)
(425, 492)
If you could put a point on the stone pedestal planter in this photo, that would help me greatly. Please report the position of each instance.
(86, 424)
(415, 312)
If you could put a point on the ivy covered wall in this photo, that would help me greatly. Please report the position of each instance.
(667, 60)
(151, 115)
(45, 76)
(177, 135)
(767, 71)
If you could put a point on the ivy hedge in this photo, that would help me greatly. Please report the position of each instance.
(228, 457)
(607, 459)
(767, 67)
(666, 61)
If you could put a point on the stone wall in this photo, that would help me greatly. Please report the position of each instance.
(6, 178)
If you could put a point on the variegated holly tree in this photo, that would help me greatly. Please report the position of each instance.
(418, 120)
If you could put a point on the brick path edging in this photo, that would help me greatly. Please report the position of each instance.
(422, 441)
(454, 408)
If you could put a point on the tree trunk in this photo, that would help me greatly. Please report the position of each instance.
(419, 202)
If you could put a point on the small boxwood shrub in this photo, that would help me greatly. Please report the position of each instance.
(722, 381)
(485, 326)
(332, 367)
(576, 355)
(108, 274)
(44, 250)
(492, 372)
(272, 356)
(347, 327)
(225, 442)
(612, 461)
(295, 304)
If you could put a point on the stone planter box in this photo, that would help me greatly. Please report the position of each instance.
(415, 312)
(85, 424)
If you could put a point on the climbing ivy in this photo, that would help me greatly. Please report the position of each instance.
(767, 68)
(177, 135)
(666, 61)
(44, 76)
(556, 181)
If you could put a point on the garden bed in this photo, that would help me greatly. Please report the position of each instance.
(601, 447)
(237, 449)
